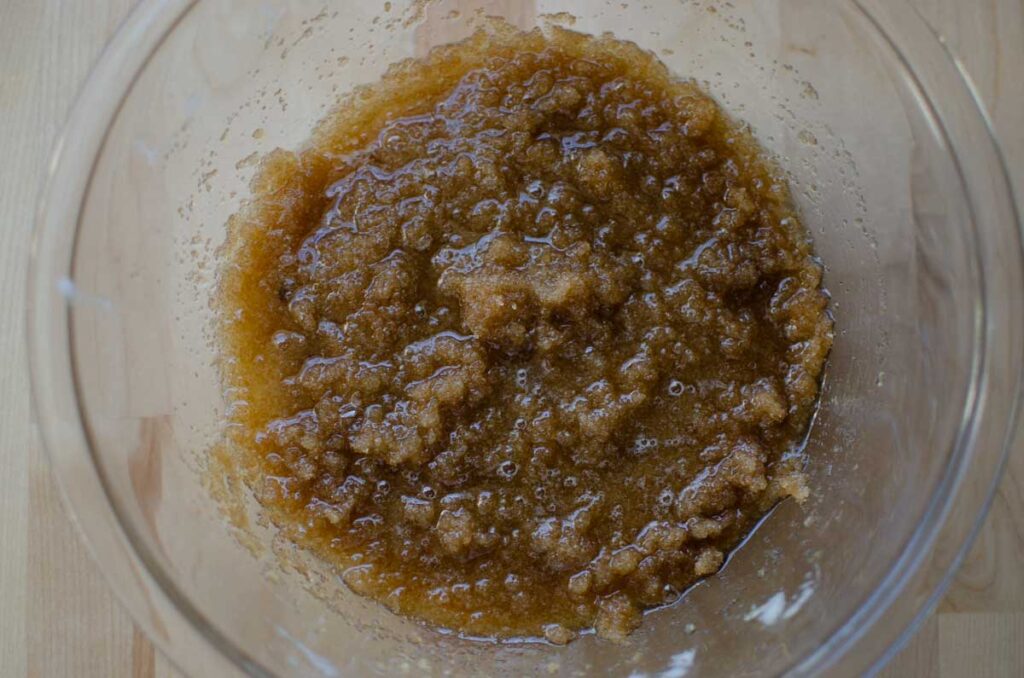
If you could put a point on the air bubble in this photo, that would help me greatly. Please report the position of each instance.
(508, 469)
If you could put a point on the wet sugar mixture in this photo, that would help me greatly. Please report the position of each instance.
(525, 340)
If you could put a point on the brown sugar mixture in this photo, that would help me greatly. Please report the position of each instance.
(525, 340)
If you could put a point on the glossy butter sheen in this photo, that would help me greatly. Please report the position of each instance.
(525, 340)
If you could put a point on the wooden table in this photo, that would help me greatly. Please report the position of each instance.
(59, 618)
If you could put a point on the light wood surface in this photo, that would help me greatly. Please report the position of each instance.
(57, 616)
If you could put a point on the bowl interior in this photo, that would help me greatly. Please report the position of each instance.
(871, 171)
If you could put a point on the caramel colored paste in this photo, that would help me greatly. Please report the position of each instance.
(525, 340)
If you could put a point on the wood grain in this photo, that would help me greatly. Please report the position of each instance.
(59, 618)
(976, 630)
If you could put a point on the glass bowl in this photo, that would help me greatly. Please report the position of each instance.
(893, 166)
